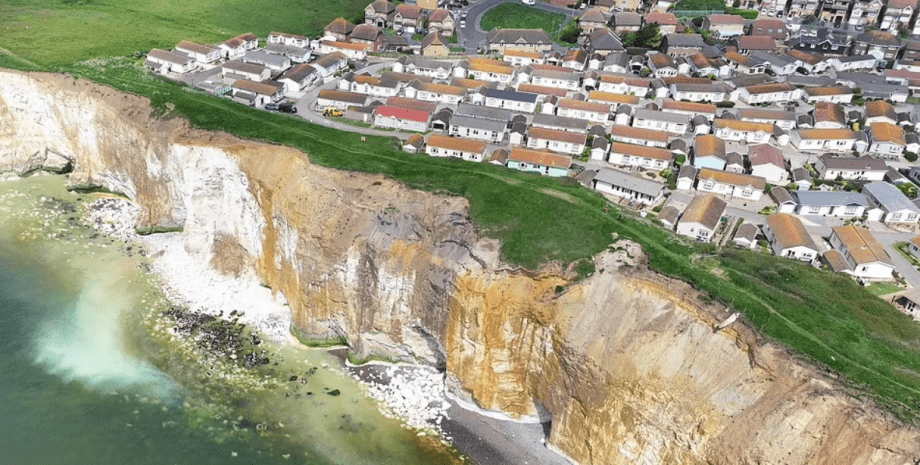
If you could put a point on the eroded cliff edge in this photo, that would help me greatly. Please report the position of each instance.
(627, 362)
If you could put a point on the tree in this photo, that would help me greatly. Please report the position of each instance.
(648, 36)
(570, 34)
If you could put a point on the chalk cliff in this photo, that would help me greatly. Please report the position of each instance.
(628, 363)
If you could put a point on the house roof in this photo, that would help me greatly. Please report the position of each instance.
(687, 171)
(418, 116)
(263, 88)
(195, 47)
(241, 67)
(627, 18)
(411, 104)
(340, 26)
(438, 15)
(339, 96)
(805, 57)
(826, 134)
(366, 32)
(542, 90)
(734, 179)
(434, 39)
(790, 232)
(890, 197)
(830, 112)
(655, 115)
(915, 241)
(342, 45)
(557, 135)
(523, 54)
(519, 36)
(299, 72)
(383, 6)
(235, 42)
(628, 80)
(583, 105)
(169, 57)
(880, 38)
(541, 158)
(561, 122)
(718, 20)
(512, 95)
(880, 108)
(576, 54)
(756, 43)
(709, 146)
(801, 174)
(415, 140)
(747, 231)
(704, 209)
(329, 59)
(830, 198)
(663, 19)
(489, 66)
(685, 40)
(836, 261)
(594, 15)
(862, 246)
(781, 196)
(749, 114)
(408, 11)
(639, 133)
(641, 151)
(743, 126)
(750, 62)
(555, 72)
(716, 87)
(887, 132)
(763, 27)
(660, 60)
(770, 88)
(832, 90)
(603, 39)
(456, 143)
(899, 4)
(763, 154)
(628, 181)
(669, 214)
(478, 123)
(702, 108)
(852, 163)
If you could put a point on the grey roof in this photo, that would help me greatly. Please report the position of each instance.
(747, 231)
(617, 58)
(259, 56)
(512, 95)
(169, 57)
(424, 62)
(627, 18)
(519, 128)
(852, 163)
(911, 138)
(797, 79)
(669, 214)
(833, 198)
(855, 58)
(894, 177)
(801, 174)
(779, 60)
(483, 112)
(286, 50)
(714, 87)
(477, 123)
(889, 197)
(780, 195)
(859, 78)
(685, 40)
(678, 145)
(882, 90)
(599, 143)
(654, 115)
(628, 181)
(805, 120)
(443, 115)
(560, 122)
(749, 80)
(299, 72)
(624, 109)
(561, 74)
(734, 158)
(597, 131)
(687, 171)
(603, 39)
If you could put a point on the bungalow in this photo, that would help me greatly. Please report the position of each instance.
(830, 167)
(203, 54)
(809, 62)
(444, 146)
(734, 130)
(689, 109)
(339, 28)
(780, 65)
(559, 122)
(545, 75)
(714, 92)
(163, 62)
(485, 70)
(788, 237)
(886, 140)
(603, 42)
(646, 137)
(572, 143)
(724, 26)
(815, 140)
(746, 236)
(330, 64)
(735, 185)
(408, 17)
(661, 121)
(702, 217)
(709, 152)
(545, 163)
(890, 205)
(411, 104)
(370, 85)
(295, 54)
(250, 71)
(352, 51)
(880, 111)
(528, 40)
(852, 63)
(591, 111)
(750, 44)
(839, 204)
(767, 162)
(232, 48)
(611, 99)
(575, 59)
(521, 58)
(440, 93)
(829, 116)
(743, 64)
(414, 143)
(626, 85)
(339, 99)
(835, 94)
(668, 217)
(705, 66)
(542, 91)
(442, 22)
(477, 128)
(625, 185)
(639, 156)
(291, 40)
(299, 78)
(257, 93)
(511, 100)
(379, 13)
(667, 22)
(401, 118)
(662, 65)
(769, 93)
(785, 120)
(865, 257)
(682, 44)
(423, 66)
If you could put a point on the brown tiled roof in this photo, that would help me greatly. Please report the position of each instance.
(594, 15)
(708, 145)
(613, 97)
(832, 90)
(383, 6)
(499, 155)
(688, 106)
(524, 54)
(660, 60)
(805, 57)
(734, 179)
(887, 132)
(899, 4)
(537, 157)
(861, 245)
(790, 232)
(340, 26)
(745, 126)
(339, 96)
(826, 111)
(195, 47)
(686, 80)
(543, 90)
(663, 19)
(470, 83)
(764, 25)
(759, 113)
(434, 38)
(404, 77)
(456, 143)
(763, 154)
(617, 79)
(366, 32)
(639, 133)
(343, 45)
(248, 37)
(491, 67)
(416, 140)
(561, 136)
(830, 134)
(770, 88)
(442, 88)
(915, 241)
(408, 11)
(877, 108)
(576, 54)
(234, 42)
(836, 261)
(641, 151)
(704, 209)
(878, 38)
(412, 104)
(756, 43)
(725, 19)
(583, 105)
(263, 88)
(438, 15)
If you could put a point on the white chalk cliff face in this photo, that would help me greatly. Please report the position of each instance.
(627, 363)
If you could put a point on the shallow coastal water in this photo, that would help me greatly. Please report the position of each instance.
(86, 381)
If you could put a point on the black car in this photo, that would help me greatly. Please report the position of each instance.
(287, 108)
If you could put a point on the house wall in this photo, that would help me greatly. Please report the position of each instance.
(750, 137)
(479, 134)
(771, 173)
(644, 162)
(842, 98)
(402, 124)
(673, 128)
(555, 146)
(555, 83)
(694, 230)
(582, 114)
(443, 152)
(544, 170)
(901, 217)
(886, 149)
(626, 193)
(527, 107)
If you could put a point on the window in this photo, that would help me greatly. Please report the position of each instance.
(709, 184)
(894, 216)
(850, 210)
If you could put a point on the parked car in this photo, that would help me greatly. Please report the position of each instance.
(529, 2)
(271, 106)
(287, 108)
(462, 23)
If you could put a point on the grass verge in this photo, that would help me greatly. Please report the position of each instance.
(517, 15)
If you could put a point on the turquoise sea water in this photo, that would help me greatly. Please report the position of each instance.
(83, 382)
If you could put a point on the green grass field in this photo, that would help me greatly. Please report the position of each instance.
(519, 16)
(69, 31)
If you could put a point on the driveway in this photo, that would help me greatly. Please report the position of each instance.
(472, 36)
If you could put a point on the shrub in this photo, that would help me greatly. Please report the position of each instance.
(725, 104)
(910, 156)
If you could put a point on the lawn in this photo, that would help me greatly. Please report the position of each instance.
(699, 5)
(69, 31)
(883, 288)
(519, 16)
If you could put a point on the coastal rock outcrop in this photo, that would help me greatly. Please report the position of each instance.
(628, 363)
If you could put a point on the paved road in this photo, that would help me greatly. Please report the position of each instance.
(472, 36)
(306, 104)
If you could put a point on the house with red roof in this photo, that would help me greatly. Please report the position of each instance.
(401, 118)
(767, 162)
